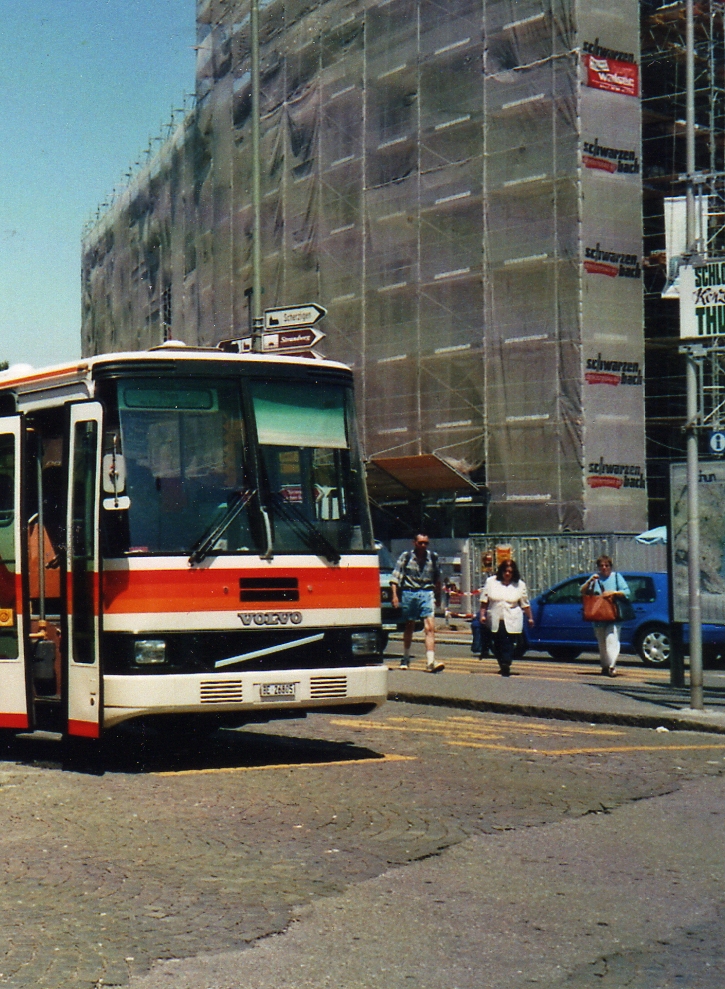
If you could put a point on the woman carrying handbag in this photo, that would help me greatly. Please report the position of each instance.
(504, 602)
(601, 595)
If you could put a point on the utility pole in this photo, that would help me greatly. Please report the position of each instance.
(256, 294)
(693, 366)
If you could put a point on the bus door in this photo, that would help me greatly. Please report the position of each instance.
(13, 691)
(84, 681)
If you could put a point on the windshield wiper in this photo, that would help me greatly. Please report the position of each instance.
(203, 546)
(306, 530)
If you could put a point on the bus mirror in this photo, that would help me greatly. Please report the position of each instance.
(119, 503)
(114, 473)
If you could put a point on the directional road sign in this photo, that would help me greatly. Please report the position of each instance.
(302, 338)
(307, 315)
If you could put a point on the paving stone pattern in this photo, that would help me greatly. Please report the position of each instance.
(111, 867)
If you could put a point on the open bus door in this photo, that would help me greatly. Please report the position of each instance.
(85, 700)
(13, 690)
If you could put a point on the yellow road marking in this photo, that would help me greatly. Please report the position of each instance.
(473, 739)
(447, 729)
(630, 676)
(287, 765)
(591, 750)
(465, 721)
(555, 671)
(427, 731)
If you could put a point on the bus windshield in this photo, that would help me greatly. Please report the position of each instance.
(313, 480)
(183, 449)
(192, 483)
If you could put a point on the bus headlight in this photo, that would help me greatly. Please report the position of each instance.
(149, 652)
(365, 643)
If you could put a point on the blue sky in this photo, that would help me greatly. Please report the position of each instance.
(85, 84)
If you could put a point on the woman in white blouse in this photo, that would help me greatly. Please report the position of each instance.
(504, 601)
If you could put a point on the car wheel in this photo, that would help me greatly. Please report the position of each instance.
(653, 645)
(383, 641)
(564, 654)
(521, 647)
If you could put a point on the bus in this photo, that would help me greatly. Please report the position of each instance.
(183, 532)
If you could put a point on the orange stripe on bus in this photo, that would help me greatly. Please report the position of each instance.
(13, 721)
(88, 729)
(138, 591)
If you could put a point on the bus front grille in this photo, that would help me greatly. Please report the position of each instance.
(328, 687)
(269, 589)
(221, 691)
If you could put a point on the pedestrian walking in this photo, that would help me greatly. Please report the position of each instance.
(504, 602)
(610, 586)
(418, 579)
(481, 641)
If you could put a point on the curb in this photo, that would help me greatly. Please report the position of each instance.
(672, 723)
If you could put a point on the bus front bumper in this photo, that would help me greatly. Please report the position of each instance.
(137, 696)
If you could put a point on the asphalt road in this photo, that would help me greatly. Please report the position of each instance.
(416, 846)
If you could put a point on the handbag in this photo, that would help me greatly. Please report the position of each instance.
(625, 609)
(598, 608)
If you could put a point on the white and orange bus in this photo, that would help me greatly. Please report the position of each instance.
(183, 531)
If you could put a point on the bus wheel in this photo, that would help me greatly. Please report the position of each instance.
(83, 754)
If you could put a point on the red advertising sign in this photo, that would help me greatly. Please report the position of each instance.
(601, 268)
(612, 75)
(601, 378)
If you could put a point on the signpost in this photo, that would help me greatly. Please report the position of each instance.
(293, 316)
(286, 331)
(303, 337)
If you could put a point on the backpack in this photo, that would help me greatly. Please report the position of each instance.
(434, 559)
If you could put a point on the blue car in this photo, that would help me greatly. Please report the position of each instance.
(561, 631)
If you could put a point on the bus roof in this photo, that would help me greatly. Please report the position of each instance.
(23, 377)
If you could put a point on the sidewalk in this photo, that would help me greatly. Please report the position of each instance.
(648, 705)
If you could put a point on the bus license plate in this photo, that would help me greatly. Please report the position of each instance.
(271, 690)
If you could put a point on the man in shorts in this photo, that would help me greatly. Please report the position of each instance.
(417, 576)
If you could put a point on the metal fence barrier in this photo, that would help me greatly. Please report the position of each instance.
(543, 560)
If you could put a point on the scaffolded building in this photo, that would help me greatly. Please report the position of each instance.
(664, 166)
(459, 184)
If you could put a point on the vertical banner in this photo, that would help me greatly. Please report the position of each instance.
(615, 483)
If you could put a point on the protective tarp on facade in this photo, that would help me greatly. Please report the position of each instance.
(458, 184)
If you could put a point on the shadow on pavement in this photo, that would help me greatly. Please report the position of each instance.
(664, 695)
(140, 749)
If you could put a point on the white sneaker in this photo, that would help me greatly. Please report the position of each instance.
(435, 667)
